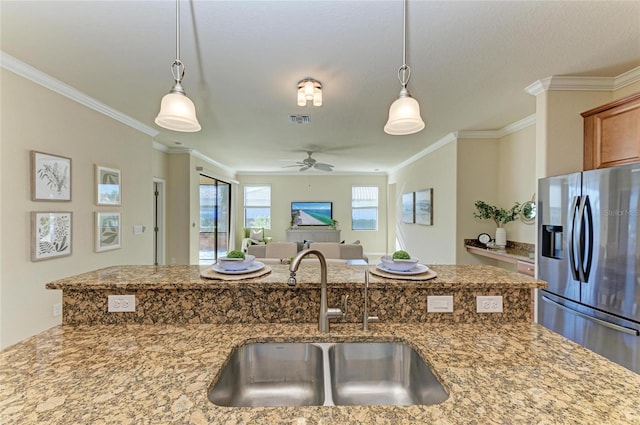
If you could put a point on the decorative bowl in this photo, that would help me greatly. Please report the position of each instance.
(398, 265)
(236, 263)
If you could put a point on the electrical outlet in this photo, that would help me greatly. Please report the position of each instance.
(121, 303)
(489, 304)
(57, 309)
(440, 304)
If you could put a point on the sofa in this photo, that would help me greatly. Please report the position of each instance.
(330, 250)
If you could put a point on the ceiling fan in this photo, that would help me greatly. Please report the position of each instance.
(309, 162)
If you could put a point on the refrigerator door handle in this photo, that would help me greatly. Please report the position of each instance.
(581, 238)
(588, 238)
(610, 325)
(572, 239)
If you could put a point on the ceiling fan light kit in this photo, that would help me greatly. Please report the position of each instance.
(177, 111)
(309, 90)
(404, 113)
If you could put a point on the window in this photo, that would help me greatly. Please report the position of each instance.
(364, 208)
(257, 206)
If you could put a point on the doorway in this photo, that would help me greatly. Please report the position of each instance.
(215, 206)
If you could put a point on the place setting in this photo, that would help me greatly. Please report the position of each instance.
(236, 266)
(401, 265)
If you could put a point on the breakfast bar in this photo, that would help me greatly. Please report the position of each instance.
(157, 364)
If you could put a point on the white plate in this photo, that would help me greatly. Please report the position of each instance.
(253, 267)
(418, 269)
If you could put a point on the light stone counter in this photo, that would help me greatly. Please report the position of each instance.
(159, 374)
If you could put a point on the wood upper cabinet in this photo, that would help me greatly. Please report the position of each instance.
(612, 133)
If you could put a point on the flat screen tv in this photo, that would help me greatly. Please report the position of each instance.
(311, 213)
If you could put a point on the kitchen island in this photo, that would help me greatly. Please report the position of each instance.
(180, 295)
(159, 374)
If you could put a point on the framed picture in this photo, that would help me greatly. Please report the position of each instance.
(108, 231)
(424, 207)
(50, 235)
(108, 186)
(408, 212)
(50, 177)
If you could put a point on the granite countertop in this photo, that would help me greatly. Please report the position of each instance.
(308, 276)
(516, 251)
(159, 374)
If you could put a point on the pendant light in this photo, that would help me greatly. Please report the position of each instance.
(404, 113)
(177, 111)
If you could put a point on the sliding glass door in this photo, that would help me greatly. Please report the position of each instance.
(215, 209)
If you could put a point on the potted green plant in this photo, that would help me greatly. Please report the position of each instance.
(334, 224)
(500, 216)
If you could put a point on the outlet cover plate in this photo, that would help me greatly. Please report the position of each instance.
(57, 309)
(440, 304)
(121, 303)
(489, 304)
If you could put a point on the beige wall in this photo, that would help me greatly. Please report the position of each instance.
(517, 178)
(34, 118)
(312, 187)
(431, 244)
(477, 180)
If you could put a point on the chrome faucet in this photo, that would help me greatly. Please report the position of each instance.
(325, 312)
(366, 318)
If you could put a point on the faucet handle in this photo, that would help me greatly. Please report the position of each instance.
(337, 313)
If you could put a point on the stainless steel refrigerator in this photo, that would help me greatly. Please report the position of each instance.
(589, 253)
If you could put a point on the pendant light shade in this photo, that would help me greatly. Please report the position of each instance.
(177, 111)
(404, 113)
(404, 116)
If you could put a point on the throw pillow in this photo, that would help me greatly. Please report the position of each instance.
(256, 235)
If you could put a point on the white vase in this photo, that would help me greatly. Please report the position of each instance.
(501, 237)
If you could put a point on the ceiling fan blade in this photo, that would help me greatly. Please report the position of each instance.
(305, 168)
(323, 167)
(293, 165)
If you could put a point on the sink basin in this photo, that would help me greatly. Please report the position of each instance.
(381, 373)
(273, 374)
(329, 374)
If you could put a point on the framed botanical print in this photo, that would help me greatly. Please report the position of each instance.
(408, 212)
(424, 207)
(108, 185)
(50, 235)
(108, 231)
(50, 177)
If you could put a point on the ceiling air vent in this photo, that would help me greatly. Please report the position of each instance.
(299, 119)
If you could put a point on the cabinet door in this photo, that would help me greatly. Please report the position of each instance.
(612, 134)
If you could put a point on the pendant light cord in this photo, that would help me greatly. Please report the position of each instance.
(404, 73)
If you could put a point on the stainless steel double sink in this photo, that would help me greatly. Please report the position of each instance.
(326, 374)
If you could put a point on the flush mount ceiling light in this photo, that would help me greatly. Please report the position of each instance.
(177, 112)
(309, 89)
(404, 113)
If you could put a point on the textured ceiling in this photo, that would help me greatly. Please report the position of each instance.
(470, 60)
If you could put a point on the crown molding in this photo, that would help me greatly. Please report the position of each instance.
(451, 137)
(197, 154)
(584, 83)
(500, 133)
(627, 78)
(30, 73)
(160, 147)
